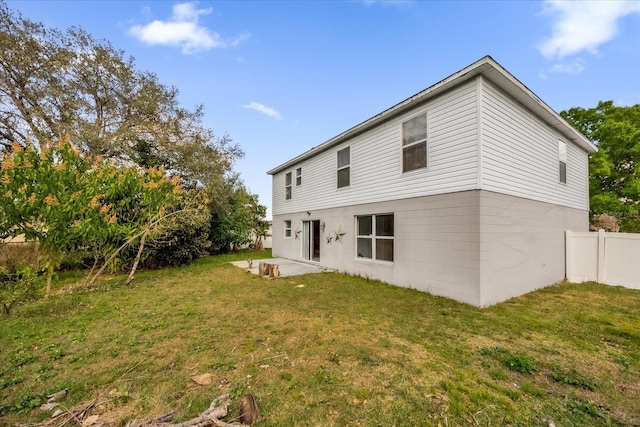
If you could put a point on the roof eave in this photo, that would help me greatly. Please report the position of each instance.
(486, 66)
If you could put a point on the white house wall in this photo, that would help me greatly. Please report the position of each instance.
(376, 156)
(436, 243)
(522, 244)
(477, 247)
(520, 155)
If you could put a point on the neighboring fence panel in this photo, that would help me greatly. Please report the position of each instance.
(611, 258)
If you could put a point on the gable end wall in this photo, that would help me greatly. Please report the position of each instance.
(520, 154)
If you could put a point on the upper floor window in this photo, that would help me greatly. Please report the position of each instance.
(287, 228)
(287, 186)
(298, 176)
(562, 160)
(344, 167)
(375, 237)
(414, 143)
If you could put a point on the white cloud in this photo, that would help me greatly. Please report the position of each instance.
(571, 68)
(574, 67)
(273, 113)
(184, 31)
(583, 25)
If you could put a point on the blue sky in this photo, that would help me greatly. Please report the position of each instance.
(282, 77)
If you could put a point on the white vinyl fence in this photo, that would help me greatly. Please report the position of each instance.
(611, 258)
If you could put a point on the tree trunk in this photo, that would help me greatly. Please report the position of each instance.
(93, 267)
(47, 291)
(138, 255)
(274, 270)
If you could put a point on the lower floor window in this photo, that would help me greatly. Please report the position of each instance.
(287, 228)
(375, 237)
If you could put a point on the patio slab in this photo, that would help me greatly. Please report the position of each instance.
(287, 267)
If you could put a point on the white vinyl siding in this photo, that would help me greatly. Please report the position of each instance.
(520, 155)
(376, 160)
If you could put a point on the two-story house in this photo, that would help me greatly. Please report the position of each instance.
(463, 190)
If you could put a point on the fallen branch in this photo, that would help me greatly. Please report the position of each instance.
(219, 408)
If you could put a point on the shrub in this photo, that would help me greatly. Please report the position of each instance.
(185, 240)
(17, 285)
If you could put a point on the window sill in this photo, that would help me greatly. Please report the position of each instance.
(414, 171)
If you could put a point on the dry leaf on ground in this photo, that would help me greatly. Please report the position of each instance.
(203, 379)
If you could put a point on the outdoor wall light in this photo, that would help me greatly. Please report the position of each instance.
(308, 213)
(322, 226)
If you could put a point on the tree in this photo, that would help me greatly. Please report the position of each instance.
(141, 203)
(614, 171)
(49, 196)
(64, 200)
(56, 83)
(235, 216)
(184, 237)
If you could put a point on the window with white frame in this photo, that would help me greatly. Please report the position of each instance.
(414, 143)
(287, 186)
(287, 228)
(374, 238)
(298, 177)
(562, 160)
(344, 167)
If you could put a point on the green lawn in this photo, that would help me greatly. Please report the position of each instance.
(323, 349)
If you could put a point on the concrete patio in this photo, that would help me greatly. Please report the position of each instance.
(287, 267)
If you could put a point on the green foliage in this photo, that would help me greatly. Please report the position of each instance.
(82, 195)
(237, 217)
(24, 403)
(571, 377)
(518, 362)
(614, 171)
(46, 195)
(70, 203)
(17, 285)
(136, 198)
(54, 83)
(579, 406)
(185, 237)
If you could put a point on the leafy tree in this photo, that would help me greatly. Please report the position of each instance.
(234, 217)
(63, 200)
(614, 171)
(55, 83)
(184, 237)
(140, 203)
(48, 195)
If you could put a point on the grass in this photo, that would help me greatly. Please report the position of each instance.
(323, 349)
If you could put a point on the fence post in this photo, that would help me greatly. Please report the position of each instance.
(568, 255)
(601, 255)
